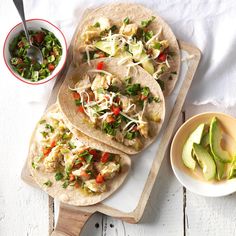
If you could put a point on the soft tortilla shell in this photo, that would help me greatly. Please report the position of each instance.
(69, 195)
(119, 11)
(80, 120)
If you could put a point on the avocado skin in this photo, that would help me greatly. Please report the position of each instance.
(215, 139)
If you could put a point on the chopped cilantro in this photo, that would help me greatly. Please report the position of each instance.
(66, 136)
(128, 80)
(130, 135)
(133, 89)
(48, 183)
(145, 91)
(113, 28)
(162, 84)
(34, 165)
(58, 176)
(155, 99)
(97, 24)
(126, 20)
(48, 126)
(71, 145)
(174, 72)
(147, 35)
(65, 184)
(146, 23)
(157, 45)
(108, 129)
(42, 122)
(78, 102)
(88, 157)
(45, 134)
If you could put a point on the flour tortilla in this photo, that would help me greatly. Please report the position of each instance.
(70, 195)
(116, 13)
(81, 122)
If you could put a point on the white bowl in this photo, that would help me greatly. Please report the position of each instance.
(187, 177)
(35, 24)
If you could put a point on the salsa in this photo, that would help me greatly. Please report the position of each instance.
(32, 70)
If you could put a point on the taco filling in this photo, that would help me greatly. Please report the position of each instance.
(135, 44)
(75, 165)
(116, 106)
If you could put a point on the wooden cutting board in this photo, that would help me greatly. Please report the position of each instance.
(71, 219)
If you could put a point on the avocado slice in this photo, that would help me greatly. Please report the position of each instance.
(215, 140)
(195, 137)
(104, 46)
(220, 166)
(205, 142)
(146, 64)
(206, 161)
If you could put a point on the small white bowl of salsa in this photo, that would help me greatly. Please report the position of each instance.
(52, 44)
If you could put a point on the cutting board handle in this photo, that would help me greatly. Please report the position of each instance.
(70, 221)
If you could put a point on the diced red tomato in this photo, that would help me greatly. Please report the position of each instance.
(100, 65)
(106, 97)
(115, 110)
(39, 37)
(53, 143)
(110, 119)
(77, 166)
(142, 97)
(80, 109)
(85, 174)
(76, 185)
(162, 57)
(82, 159)
(51, 67)
(105, 157)
(93, 152)
(46, 151)
(99, 179)
(71, 177)
(76, 95)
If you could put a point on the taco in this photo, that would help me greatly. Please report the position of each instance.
(71, 166)
(135, 35)
(125, 112)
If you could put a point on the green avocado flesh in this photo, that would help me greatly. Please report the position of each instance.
(220, 166)
(146, 64)
(195, 137)
(206, 161)
(104, 46)
(215, 142)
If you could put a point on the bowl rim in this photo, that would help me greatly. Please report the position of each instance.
(21, 78)
(173, 166)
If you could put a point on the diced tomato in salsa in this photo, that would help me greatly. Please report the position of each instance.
(100, 65)
(162, 57)
(105, 157)
(99, 179)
